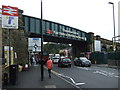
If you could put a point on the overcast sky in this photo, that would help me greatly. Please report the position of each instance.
(87, 15)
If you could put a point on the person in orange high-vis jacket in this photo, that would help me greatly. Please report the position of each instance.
(49, 65)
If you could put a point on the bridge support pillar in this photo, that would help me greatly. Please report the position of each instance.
(77, 49)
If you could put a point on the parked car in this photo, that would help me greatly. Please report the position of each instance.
(82, 61)
(55, 59)
(64, 62)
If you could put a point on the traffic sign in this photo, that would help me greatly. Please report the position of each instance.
(9, 17)
(9, 11)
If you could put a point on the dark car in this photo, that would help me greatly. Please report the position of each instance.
(82, 61)
(64, 62)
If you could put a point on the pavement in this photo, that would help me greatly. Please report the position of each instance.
(32, 79)
(108, 66)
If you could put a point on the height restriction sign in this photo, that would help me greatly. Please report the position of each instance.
(9, 17)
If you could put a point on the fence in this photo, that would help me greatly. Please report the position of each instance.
(111, 58)
(98, 58)
(114, 58)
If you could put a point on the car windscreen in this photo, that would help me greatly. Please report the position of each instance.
(55, 58)
(66, 59)
(83, 59)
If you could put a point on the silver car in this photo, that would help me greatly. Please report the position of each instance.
(82, 61)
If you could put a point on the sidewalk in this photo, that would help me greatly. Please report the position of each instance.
(32, 79)
(106, 65)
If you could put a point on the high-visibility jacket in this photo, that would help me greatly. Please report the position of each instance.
(49, 64)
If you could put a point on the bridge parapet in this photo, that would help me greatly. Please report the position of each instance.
(54, 29)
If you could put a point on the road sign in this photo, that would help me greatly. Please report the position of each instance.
(9, 17)
(34, 44)
(49, 31)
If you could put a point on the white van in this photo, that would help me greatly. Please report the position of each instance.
(56, 58)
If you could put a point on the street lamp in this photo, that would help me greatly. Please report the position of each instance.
(114, 44)
(42, 61)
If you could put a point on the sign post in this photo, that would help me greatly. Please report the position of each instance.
(9, 21)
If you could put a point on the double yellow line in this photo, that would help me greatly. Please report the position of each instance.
(52, 71)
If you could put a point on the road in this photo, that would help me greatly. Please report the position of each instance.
(89, 77)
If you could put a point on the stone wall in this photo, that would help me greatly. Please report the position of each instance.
(91, 42)
(18, 41)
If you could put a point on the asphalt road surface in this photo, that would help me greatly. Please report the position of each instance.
(89, 77)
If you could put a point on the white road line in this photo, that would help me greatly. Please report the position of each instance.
(50, 86)
(98, 71)
(71, 79)
(57, 74)
(105, 73)
(68, 82)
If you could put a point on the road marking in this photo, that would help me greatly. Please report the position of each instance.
(54, 72)
(50, 86)
(69, 82)
(71, 79)
(98, 71)
(84, 68)
(57, 74)
(105, 73)
(66, 77)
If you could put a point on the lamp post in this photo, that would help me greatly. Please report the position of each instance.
(114, 43)
(42, 61)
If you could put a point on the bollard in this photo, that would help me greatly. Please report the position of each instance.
(5, 78)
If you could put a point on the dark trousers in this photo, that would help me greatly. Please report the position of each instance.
(49, 72)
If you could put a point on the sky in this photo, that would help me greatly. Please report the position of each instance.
(87, 15)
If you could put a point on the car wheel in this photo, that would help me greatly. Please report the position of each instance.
(89, 65)
(80, 64)
(70, 66)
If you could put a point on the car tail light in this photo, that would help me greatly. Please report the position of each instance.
(62, 62)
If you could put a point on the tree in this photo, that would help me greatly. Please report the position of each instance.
(54, 48)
